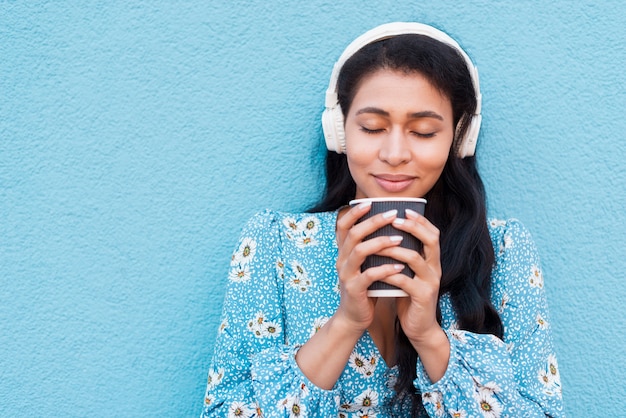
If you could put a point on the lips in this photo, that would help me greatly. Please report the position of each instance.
(394, 183)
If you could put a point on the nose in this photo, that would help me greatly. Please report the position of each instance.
(394, 148)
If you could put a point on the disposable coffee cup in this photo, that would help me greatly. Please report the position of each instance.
(382, 205)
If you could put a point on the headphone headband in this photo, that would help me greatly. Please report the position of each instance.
(332, 118)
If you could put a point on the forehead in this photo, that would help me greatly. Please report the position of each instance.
(399, 91)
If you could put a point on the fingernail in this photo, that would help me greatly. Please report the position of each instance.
(398, 221)
(398, 267)
(390, 213)
(365, 205)
(411, 213)
(395, 238)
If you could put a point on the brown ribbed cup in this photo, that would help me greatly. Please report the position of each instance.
(381, 205)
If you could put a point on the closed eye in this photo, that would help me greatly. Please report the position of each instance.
(424, 135)
(371, 131)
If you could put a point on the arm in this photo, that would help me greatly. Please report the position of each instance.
(252, 370)
(517, 377)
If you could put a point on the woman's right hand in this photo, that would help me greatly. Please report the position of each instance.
(323, 358)
(356, 309)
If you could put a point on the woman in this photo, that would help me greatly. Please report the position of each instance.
(299, 335)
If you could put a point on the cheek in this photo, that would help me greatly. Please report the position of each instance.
(356, 164)
(434, 158)
(360, 153)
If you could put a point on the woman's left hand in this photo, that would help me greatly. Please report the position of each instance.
(418, 312)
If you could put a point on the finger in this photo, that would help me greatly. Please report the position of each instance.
(418, 226)
(414, 287)
(359, 231)
(371, 275)
(347, 220)
(372, 246)
(430, 271)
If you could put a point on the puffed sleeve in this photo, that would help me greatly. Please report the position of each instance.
(515, 377)
(253, 372)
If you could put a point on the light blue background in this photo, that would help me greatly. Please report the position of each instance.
(137, 137)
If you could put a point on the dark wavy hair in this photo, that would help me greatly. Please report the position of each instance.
(456, 203)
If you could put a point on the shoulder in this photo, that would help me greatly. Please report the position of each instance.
(505, 233)
(290, 224)
(517, 259)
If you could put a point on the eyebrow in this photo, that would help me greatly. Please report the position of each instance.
(416, 115)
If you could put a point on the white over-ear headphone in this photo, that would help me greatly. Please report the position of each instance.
(332, 118)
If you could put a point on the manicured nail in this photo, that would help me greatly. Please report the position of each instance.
(396, 238)
(411, 213)
(365, 205)
(398, 221)
(390, 213)
(398, 267)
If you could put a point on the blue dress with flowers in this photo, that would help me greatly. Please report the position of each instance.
(283, 287)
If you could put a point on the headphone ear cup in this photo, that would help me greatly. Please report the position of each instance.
(332, 125)
(467, 147)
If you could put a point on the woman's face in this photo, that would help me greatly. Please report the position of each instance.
(399, 131)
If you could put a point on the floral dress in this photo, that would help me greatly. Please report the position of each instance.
(283, 287)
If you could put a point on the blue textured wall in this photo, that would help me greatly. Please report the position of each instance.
(136, 137)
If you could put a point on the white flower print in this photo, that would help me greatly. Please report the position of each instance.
(302, 232)
(304, 390)
(292, 226)
(239, 273)
(551, 377)
(256, 324)
(305, 241)
(308, 228)
(363, 365)
(261, 327)
(280, 268)
(490, 388)
(258, 319)
(257, 409)
(367, 400)
(507, 242)
(544, 377)
(300, 280)
(497, 222)
(223, 326)
(366, 414)
(209, 399)
(270, 329)
(347, 407)
(553, 367)
(245, 252)
(543, 324)
(489, 405)
(293, 406)
(436, 399)
(240, 410)
(459, 335)
(536, 277)
(215, 378)
(504, 302)
(457, 413)
(309, 225)
(318, 324)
